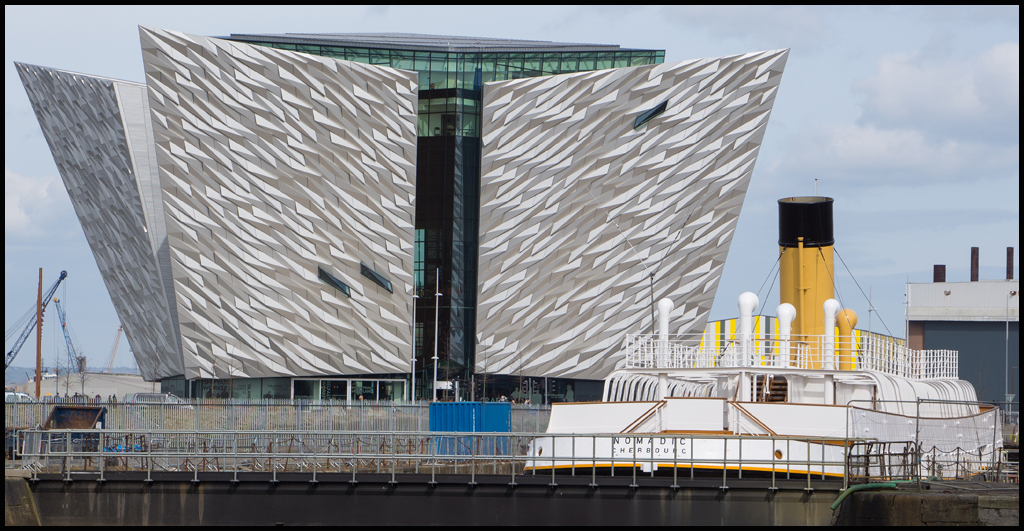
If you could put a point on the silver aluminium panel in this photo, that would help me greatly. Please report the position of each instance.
(573, 197)
(97, 130)
(275, 165)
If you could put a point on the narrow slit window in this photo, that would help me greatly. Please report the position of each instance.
(334, 282)
(650, 115)
(376, 277)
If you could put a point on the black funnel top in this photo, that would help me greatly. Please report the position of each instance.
(810, 217)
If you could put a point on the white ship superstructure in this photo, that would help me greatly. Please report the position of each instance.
(811, 401)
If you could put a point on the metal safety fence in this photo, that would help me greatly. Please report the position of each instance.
(269, 415)
(78, 453)
(939, 440)
(692, 351)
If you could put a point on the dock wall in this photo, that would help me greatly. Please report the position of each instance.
(930, 507)
(174, 499)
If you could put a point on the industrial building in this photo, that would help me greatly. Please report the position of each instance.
(979, 318)
(343, 215)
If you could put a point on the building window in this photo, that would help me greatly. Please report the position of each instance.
(333, 282)
(650, 115)
(376, 277)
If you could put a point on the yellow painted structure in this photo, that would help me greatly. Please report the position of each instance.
(805, 281)
(720, 335)
(846, 343)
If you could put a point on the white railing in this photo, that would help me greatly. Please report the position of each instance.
(645, 351)
(81, 452)
(890, 358)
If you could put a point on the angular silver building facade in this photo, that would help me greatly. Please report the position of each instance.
(99, 133)
(580, 204)
(253, 213)
(271, 180)
(274, 166)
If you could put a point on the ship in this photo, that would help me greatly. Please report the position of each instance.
(813, 397)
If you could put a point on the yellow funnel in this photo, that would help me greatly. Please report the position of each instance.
(806, 267)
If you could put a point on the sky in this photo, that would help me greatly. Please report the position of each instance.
(908, 116)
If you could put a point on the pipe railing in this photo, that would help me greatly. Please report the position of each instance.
(93, 453)
(644, 351)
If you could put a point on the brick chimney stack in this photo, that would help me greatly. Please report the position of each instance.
(1009, 263)
(974, 264)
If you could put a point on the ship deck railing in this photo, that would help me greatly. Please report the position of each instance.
(80, 454)
(866, 353)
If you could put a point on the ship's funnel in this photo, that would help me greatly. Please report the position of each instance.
(806, 267)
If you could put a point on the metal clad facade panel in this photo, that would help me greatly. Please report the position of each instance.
(573, 197)
(94, 126)
(983, 350)
(986, 300)
(274, 164)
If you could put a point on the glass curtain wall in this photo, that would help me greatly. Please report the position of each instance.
(448, 181)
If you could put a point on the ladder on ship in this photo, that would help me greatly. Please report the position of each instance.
(776, 391)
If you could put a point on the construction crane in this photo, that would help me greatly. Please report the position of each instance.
(11, 354)
(74, 360)
(113, 352)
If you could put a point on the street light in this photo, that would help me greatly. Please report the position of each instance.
(653, 331)
(437, 316)
(1008, 396)
(415, 298)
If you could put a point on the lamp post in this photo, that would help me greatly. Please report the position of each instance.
(437, 315)
(1008, 396)
(415, 299)
(653, 331)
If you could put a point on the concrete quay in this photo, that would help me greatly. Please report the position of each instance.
(946, 503)
(178, 498)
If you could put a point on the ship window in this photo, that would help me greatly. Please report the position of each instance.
(650, 115)
(376, 277)
(333, 282)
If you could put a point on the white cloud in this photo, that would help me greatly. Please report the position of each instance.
(765, 26)
(998, 77)
(980, 14)
(865, 153)
(35, 207)
(926, 117)
(973, 98)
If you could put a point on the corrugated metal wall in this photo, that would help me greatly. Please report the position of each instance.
(982, 349)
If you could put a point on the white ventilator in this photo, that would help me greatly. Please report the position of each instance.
(665, 307)
(747, 304)
(786, 314)
(831, 308)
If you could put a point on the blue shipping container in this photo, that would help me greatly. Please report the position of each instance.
(471, 417)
